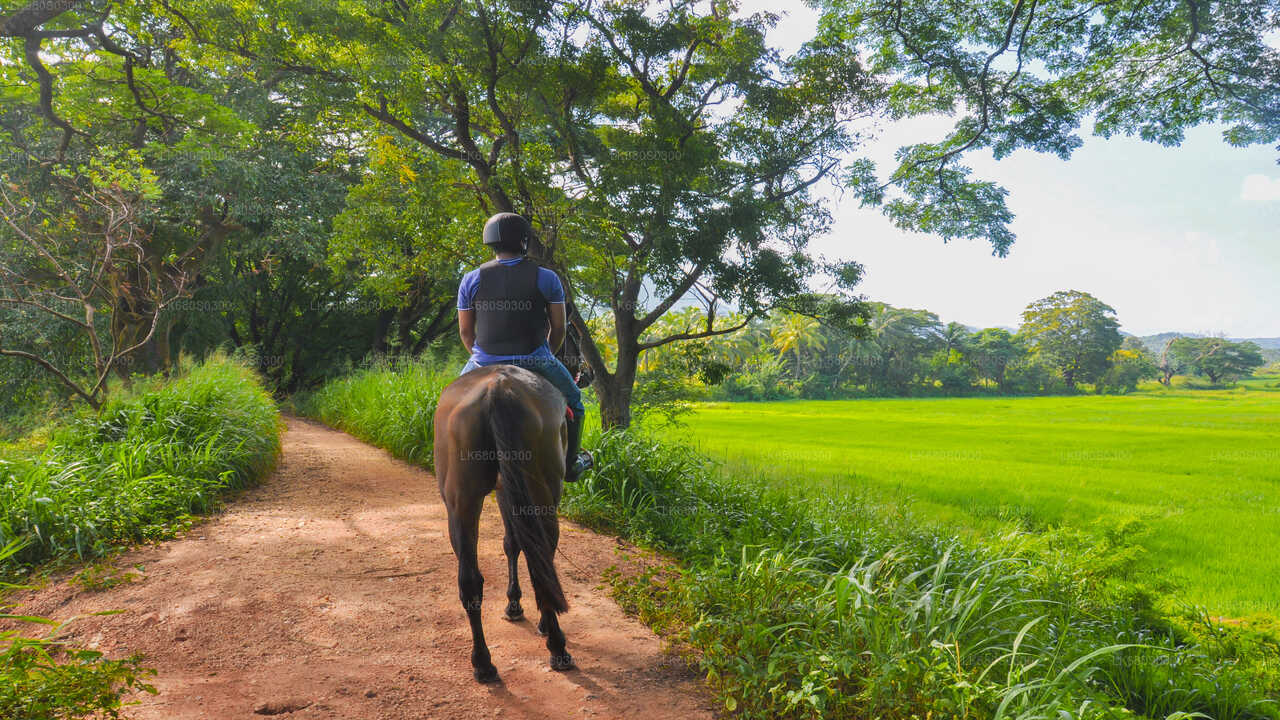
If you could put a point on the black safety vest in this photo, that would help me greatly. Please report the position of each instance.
(511, 313)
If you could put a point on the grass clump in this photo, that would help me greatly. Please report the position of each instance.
(140, 468)
(390, 404)
(806, 608)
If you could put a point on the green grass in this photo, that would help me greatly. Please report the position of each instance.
(806, 607)
(140, 468)
(388, 405)
(1199, 468)
(831, 608)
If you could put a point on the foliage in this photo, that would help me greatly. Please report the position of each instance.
(114, 162)
(1027, 74)
(1073, 331)
(139, 468)
(46, 679)
(390, 404)
(992, 351)
(1129, 365)
(814, 608)
(1214, 358)
(898, 351)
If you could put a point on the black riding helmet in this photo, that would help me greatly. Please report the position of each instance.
(509, 232)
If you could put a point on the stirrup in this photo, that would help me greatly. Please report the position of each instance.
(583, 463)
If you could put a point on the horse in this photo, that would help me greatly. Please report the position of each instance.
(503, 427)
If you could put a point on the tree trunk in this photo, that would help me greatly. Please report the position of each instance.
(615, 403)
(615, 389)
(382, 329)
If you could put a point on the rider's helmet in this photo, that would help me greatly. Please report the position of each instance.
(509, 232)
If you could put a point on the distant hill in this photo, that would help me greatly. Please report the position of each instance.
(1155, 343)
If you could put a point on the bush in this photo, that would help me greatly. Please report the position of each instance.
(141, 467)
(390, 404)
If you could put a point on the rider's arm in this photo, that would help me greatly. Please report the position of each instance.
(467, 327)
(556, 335)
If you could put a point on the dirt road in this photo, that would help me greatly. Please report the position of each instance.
(330, 592)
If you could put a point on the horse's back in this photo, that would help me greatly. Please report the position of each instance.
(463, 422)
(471, 389)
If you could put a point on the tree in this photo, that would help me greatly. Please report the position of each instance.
(84, 268)
(1024, 74)
(1171, 362)
(1216, 358)
(794, 333)
(1073, 331)
(603, 124)
(1131, 364)
(100, 104)
(899, 347)
(992, 351)
(406, 235)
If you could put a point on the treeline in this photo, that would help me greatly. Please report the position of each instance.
(1068, 342)
(307, 184)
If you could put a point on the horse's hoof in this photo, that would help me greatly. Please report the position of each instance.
(514, 613)
(486, 675)
(542, 631)
(560, 663)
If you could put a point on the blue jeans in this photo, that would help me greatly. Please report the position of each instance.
(554, 371)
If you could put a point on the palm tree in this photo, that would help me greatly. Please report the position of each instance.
(793, 333)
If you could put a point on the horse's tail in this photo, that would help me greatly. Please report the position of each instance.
(506, 415)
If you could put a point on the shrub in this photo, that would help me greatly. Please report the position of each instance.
(829, 610)
(141, 467)
(390, 404)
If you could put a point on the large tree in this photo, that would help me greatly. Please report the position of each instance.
(1028, 74)
(658, 150)
(1217, 359)
(109, 139)
(1074, 332)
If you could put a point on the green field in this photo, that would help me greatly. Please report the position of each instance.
(1201, 468)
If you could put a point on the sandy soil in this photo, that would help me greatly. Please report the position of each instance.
(330, 592)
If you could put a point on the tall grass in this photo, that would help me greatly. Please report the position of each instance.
(829, 609)
(390, 405)
(44, 677)
(141, 467)
(799, 606)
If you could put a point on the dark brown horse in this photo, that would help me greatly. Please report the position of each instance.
(503, 427)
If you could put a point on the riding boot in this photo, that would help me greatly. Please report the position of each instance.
(577, 461)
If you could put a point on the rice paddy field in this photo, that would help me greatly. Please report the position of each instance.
(1199, 468)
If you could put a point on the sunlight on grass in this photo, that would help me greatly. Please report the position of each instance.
(1200, 467)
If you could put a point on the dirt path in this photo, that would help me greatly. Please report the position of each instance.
(330, 592)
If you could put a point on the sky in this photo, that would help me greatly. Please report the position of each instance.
(1184, 239)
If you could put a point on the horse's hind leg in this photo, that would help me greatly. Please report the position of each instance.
(464, 527)
(514, 611)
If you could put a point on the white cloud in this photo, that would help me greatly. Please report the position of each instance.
(1260, 189)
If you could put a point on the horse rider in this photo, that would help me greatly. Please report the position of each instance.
(511, 310)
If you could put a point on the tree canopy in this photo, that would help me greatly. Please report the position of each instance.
(1075, 332)
(328, 164)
